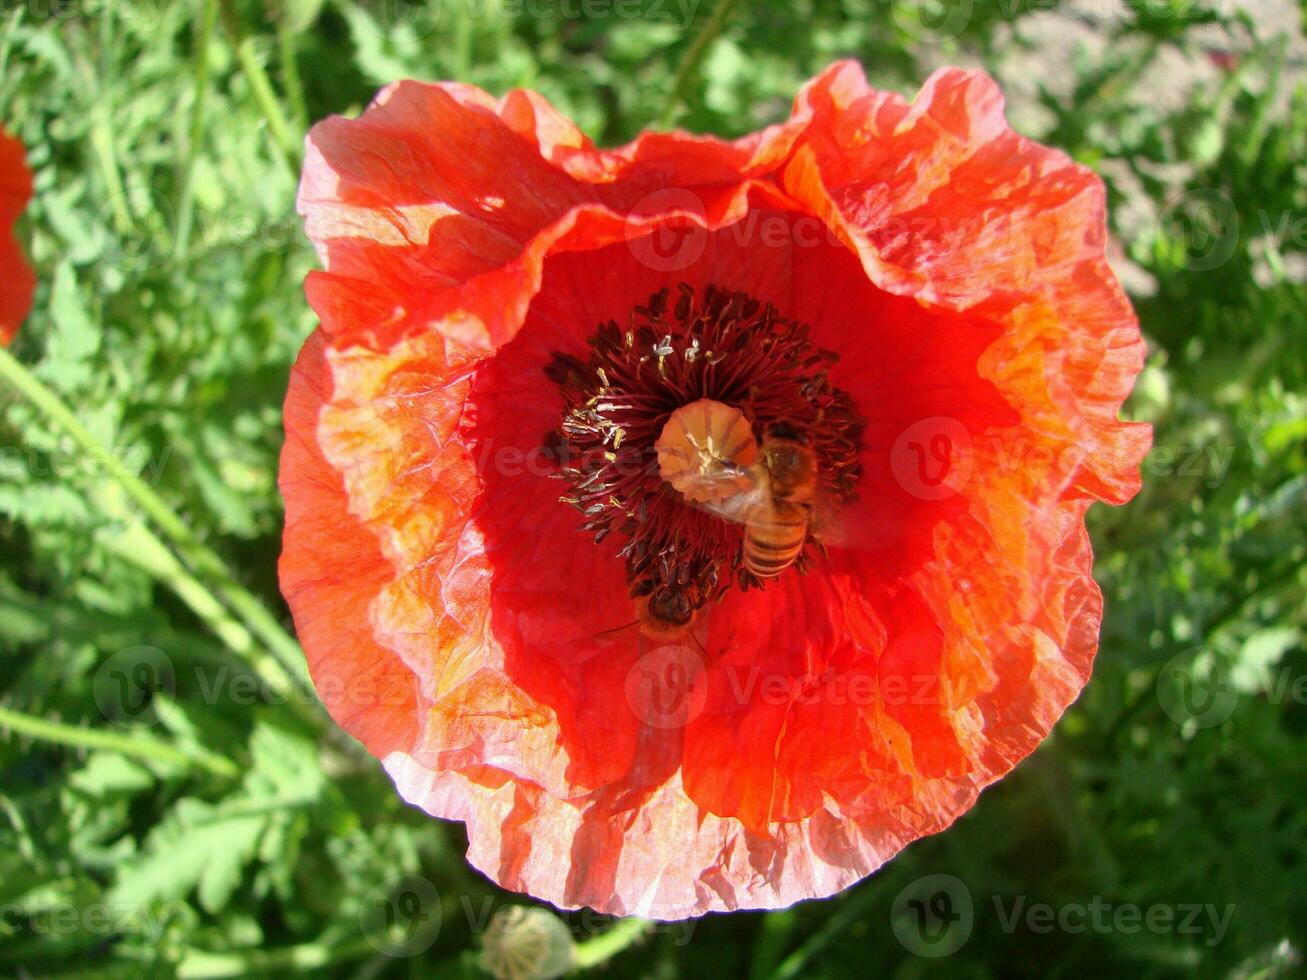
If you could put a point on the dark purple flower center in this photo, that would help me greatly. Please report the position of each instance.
(676, 349)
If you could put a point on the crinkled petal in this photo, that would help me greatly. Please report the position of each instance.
(17, 283)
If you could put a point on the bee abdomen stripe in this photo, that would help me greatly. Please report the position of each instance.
(776, 564)
(783, 547)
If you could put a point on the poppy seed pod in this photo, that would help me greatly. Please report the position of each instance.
(526, 943)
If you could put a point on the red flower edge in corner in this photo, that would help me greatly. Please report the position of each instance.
(831, 401)
(16, 280)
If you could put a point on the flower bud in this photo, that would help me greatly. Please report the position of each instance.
(525, 942)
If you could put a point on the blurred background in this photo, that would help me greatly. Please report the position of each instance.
(169, 806)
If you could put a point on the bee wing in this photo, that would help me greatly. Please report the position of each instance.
(720, 485)
(829, 528)
(742, 507)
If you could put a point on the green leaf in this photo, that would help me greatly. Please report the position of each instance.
(197, 846)
(110, 774)
(285, 766)
(75, 335)
(295, 15)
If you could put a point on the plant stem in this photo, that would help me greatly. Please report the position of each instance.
(260, 86)
(463, 44)
(197, 964)
(770, 942)
(101, 139)
(604, 947)
(139, 745)
(690, 60)
(139, 545)
(6, 43)
(203, 560)
(288, 53)
(853, 907)
(195, 134)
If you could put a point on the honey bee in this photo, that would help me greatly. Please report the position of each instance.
(707, 452)
(778, 510)
(667, 613)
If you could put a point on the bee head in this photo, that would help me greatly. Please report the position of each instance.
(791, 464)
(787, 431)
(671, 606)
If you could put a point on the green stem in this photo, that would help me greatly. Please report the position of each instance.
(852, 908)
(690, 61)
(101, 138)
(770, 942)
(203, 560)
(139, 545)
(197, 964)
(6, 44)
(136, 744)
(463, 44)
(195, 134)
(602, 948)
(260, 86)
(288, 53)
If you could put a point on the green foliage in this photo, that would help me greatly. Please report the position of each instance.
(170, 307)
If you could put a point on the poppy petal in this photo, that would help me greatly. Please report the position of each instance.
(17, 283)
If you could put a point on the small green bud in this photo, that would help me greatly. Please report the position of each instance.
(525, 942)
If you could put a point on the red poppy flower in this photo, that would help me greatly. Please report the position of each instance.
(16, 280)
(642, 708)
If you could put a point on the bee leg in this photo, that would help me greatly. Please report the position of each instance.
(814, 534)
